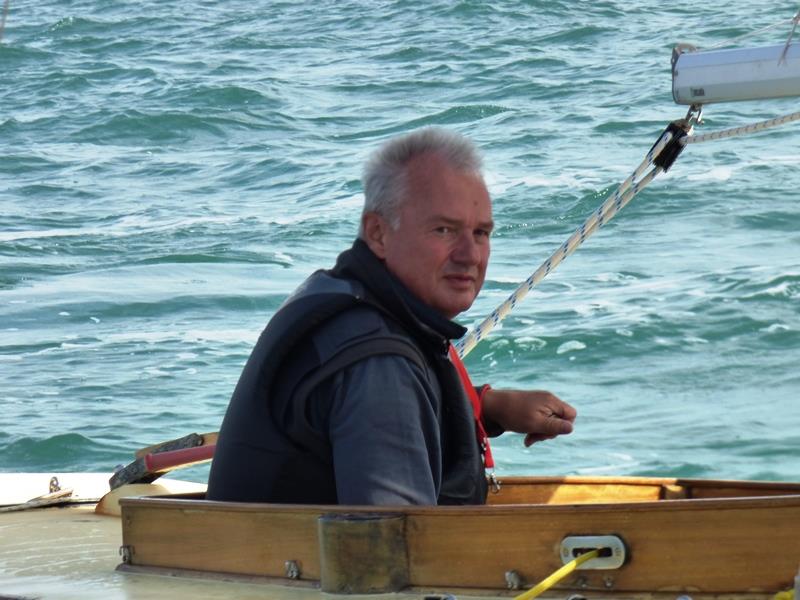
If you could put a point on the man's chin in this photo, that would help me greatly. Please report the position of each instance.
(456, 306)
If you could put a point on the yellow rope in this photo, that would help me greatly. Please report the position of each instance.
(548, 582)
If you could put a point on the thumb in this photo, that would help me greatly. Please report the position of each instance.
(555, 425)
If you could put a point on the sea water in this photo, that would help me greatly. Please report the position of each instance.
(170, 171)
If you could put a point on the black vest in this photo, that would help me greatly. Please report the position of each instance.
(268, 451)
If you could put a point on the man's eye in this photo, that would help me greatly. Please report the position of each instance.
(444, 230)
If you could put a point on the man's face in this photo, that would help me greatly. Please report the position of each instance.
(440, 248)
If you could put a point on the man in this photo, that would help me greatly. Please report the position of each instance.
(351, 394)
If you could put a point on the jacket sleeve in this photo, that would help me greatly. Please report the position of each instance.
(384, 432)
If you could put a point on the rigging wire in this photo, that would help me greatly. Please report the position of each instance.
(795, 20)
(729, 41)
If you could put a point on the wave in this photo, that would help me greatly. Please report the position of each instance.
(64, 452)
(166, 126)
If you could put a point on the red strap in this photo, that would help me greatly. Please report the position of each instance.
(159, 462)
(477, 406)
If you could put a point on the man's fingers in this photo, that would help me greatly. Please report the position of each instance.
(551, 426)
(564, 426)
(566, 411)
(556, 425)
(532, 438)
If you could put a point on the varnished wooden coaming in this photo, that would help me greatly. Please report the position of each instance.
(696, 536)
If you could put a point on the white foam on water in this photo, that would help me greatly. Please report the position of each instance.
(570, 346)
(228, 336)
(775, 328)
(721, 173)
(13, 236)
(784, 288)
(531, 342)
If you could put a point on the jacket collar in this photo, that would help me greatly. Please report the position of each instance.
(358, 262)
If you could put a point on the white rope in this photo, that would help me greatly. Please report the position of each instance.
(745, 129)
(610, 207)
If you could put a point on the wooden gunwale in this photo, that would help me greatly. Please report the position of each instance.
(746, 539)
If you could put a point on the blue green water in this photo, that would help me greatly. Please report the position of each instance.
(169, 171)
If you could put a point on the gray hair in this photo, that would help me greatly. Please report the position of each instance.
(385, 173)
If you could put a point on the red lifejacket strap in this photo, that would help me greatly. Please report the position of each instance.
(476, 400)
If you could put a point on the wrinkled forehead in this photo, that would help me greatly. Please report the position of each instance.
(430, 172)
(437, 191)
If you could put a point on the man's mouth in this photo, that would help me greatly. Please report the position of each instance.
(460, 278)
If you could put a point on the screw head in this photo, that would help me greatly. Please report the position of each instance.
(292, 569)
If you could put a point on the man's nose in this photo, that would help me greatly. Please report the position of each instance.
(466, 251)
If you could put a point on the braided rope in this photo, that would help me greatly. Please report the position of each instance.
(610, 207)
(745, 129)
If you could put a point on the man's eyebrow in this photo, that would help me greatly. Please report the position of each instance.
(449, 221)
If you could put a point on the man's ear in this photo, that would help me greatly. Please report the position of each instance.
(375, 228)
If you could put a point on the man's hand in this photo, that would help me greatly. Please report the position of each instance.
(539, 414)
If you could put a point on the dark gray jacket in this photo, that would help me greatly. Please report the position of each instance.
(348, 397)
